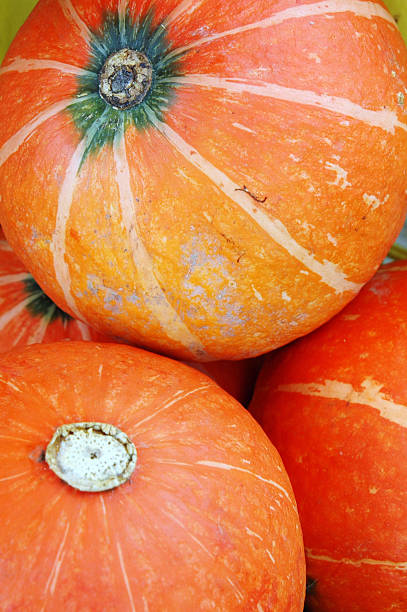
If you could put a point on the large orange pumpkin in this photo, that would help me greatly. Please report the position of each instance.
(200, 177)
(335, 405)
(207, 520)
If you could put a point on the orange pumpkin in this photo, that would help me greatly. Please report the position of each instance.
(335, 405)
(201, 180)
(206, 519)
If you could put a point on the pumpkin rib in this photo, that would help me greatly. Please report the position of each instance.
(27, 64)
(369, 395)
(84, 330)
(126, 576)
(384, 119)
(15, 141)
(58, 245)
(328, 272)
(186, 6)
(72, 16)
(389, 565)
(216, 465)
(359, 8)
(156, 299)
(178, 396)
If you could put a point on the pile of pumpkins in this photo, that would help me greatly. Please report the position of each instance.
(203, 403)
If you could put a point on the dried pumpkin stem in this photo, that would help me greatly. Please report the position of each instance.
(91, 456)
(125, 78)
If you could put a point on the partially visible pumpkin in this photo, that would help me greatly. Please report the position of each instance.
(198, 180)
(29, 316)
(207, 520)
(335, 405)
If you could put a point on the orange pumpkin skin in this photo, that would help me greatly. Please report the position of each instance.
(206, 522)
(225, 214)
(335, 406)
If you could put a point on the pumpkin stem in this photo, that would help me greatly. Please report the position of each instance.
(125, 78)
(91, 456)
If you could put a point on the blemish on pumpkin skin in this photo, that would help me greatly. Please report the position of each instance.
(38, 454)
(255, 198)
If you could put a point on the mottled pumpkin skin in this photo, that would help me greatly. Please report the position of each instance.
(225, 215)
(335, 405)
(208, 520)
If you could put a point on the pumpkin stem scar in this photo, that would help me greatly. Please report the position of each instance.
(244, 188)
(125, 78)
(91, 456)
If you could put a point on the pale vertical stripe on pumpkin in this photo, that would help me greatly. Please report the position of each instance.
(73, 17)
(186, 7)
(14, 312)
(26, 65)
(58, 242)
(384, 119)
(84, 330)
(38, 336)
(155, 298)
(358, 8)
(388, 564)
(178, 522)
(178, 396)
(329, 272)
(24, 133)
(226, 466)
(125, 577)
(370, 394)
(13, 476)
(56, 568)
(8, 383)
(9, 279)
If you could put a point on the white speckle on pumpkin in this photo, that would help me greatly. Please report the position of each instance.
(285, 296)
(373, 201)
(257, 294)
(341, 175)
(315, 57)
(332, 239)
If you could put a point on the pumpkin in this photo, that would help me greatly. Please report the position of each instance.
(129, 481)
(202, 183)
(335, 406)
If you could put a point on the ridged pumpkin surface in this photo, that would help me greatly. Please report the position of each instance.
(226, 212)
(335, 405)
(207, 521)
